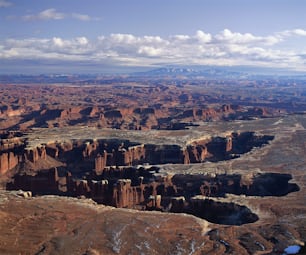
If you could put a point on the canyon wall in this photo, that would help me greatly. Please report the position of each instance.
(11, 152)
(145, 189)
(98, 154)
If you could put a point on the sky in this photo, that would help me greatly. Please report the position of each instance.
(105, 36)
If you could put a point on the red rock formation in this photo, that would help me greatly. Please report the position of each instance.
(186, 156)
(42, 152)
(130, 156)
(136, 153)
(41, 182)
(196, 153)
(82, 188)
(205, 189)
(122, 193)
(34, 154)
(226, 108)
(8, 160)
(100, 192)
(13, 160)
(209, 188)
(209, 114)
(4, 163)
(128, 107)
(11, 151)
(125, 156)
(229, 144)
(111, 161)
(71, 113)
(154, 202)
(100, 162)
(94, 111)
(90, 148)
(177, 204)
(67, 146)
(69, 184)
(52, 150)
(113, 114)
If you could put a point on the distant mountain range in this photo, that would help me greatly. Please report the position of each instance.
(179, 72)
(234, 72)
(191, 72)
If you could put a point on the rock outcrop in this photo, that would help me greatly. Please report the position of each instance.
(35, 154)
(8, 160)
(100, 162)
(11, 151)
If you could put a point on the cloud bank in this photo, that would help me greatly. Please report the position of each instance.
(201, 48)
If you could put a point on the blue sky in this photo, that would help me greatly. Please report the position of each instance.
(99, 36)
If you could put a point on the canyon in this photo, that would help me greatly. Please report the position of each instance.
(152, 167)
(104, 170)
(129, 105)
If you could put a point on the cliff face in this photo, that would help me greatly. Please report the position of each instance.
(96, 155)
(81, 156)
(34, 154)
(196, 153)
(145, 189)
(164, 154)
(15, 155)
(103, 170)
(7, 161)
(11, 152)
(123, 193)
(127, 156)
(202, 150)
(100, 162)
(42, 182)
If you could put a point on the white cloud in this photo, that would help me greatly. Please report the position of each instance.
(82, 17)
(293, 32)
(4, 3)
(227, 36)
(53, 14)
(123, 39)
(203, 37)
(181, 37)
(300, 32)
(154, 40)
(48, 14)
(82, 40)
(149, 51)
(224, 48)
(58, 42)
